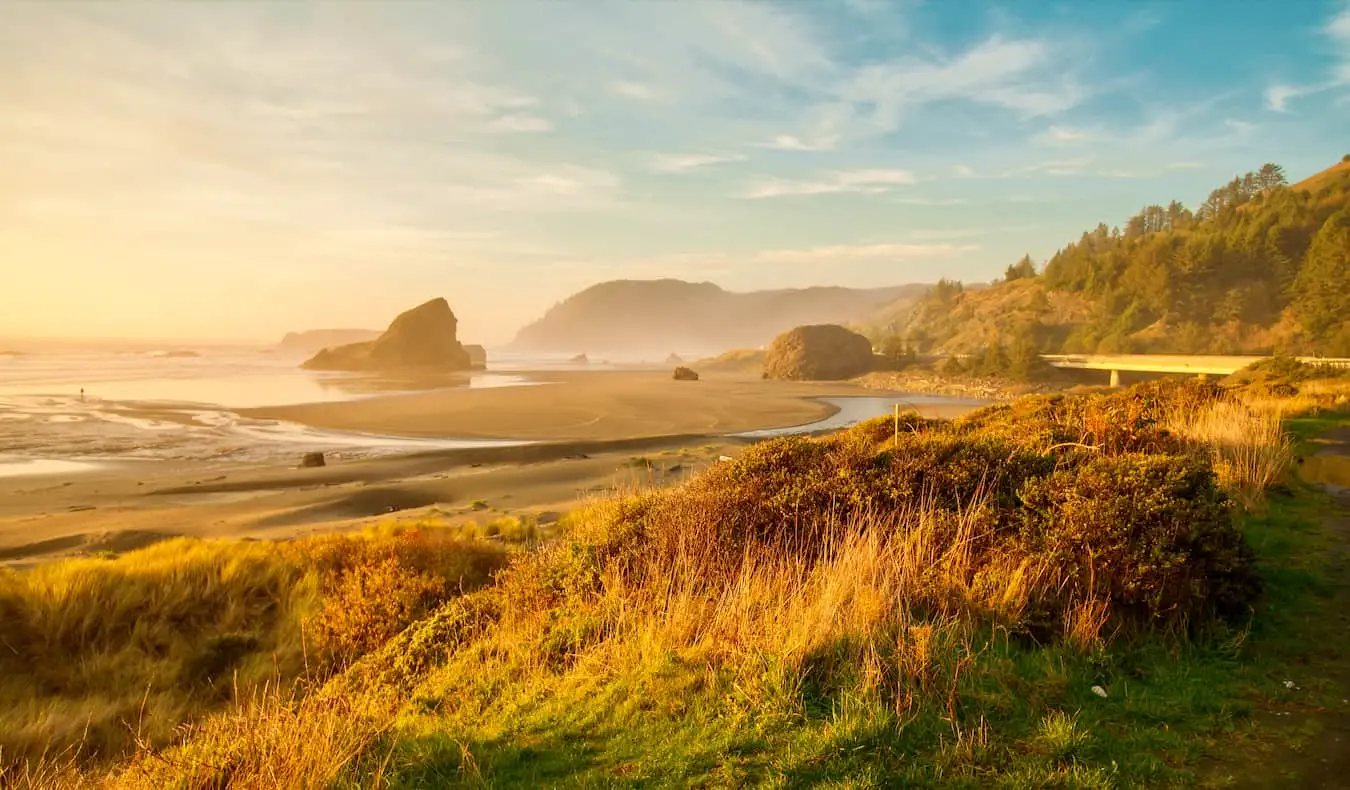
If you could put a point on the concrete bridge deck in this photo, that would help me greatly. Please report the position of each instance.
(1210, 365)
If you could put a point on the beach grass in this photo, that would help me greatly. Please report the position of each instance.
(102, 654)
(1088, 591)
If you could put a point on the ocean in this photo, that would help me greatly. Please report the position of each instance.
(65, 411)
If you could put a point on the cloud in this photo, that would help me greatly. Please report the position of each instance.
(1024, 76)
(866, 181)
(681, 163)
(788, 142)
(812, 257)
(520, 122)
(1337, 28)
(1278, 96)
(636, 91)
(922, 201)
(1067, 135)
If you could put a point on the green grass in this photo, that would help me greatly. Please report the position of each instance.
(1179, 711)
(624, 655)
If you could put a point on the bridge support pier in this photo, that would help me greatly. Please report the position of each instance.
(1115, 378)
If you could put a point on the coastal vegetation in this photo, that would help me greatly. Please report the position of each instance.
(1092, 590)
(102, 654)
(1259, 267)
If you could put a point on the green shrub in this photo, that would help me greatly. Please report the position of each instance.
(1154, 535)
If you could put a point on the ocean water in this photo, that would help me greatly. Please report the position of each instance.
(152, 405)
(157, 405)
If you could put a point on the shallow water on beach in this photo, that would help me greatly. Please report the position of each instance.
(858, 408)
(153, 406)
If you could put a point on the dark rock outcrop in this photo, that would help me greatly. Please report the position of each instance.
(311, 460)
(423, 338)
(685, 374)
(821, 352)
(477, 357)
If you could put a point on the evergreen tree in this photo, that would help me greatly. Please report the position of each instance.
(1322, 301)
(1020, 270)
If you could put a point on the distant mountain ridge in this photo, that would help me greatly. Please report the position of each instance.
(659, 316)
(316, 340)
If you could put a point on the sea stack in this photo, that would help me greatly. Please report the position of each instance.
(820, 352)
(423, 338)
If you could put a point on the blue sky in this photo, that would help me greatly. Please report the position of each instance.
(241, 169)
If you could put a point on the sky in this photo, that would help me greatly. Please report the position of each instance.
(233, 170)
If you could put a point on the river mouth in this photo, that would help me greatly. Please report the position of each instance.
(854, 409)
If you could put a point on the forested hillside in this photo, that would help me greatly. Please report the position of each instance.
(1258, 267)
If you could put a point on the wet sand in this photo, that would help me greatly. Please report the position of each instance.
(580, 406)
(127, 506)
(594, 434)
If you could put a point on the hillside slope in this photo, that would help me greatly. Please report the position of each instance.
(658, 316)
(315, 340)
(1259, 267)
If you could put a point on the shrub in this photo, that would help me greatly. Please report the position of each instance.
(1154, 535)
(369, 603)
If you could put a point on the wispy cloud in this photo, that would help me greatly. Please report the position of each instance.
(681, 163)
(806, 261)
(1337, 30)
(636, 91)
(925, 201)
(790, 142)
(520, 122)
(1025, 76)
(1065, 134)
(866, 181)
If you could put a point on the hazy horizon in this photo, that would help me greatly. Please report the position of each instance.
(231, 172)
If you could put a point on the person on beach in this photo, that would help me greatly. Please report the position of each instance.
(81, 394)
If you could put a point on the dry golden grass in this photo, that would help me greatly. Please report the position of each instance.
(1250, 449)
(749, 576)
(98, 655)
(269, 740)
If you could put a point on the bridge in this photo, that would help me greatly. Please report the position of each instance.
(1201, 365)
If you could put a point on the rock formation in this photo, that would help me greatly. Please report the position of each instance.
(477, 357)
(674, 359)
(685, 374)
(818, 352)
(423, 338)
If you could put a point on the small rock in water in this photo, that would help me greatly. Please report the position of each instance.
(1099, 691)
(311, 460)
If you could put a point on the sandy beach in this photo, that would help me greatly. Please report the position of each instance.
(601, 406)
(589, 435)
